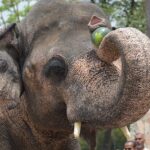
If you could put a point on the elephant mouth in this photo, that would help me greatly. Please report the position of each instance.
(77, 128)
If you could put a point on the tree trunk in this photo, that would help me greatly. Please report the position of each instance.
(92, 1)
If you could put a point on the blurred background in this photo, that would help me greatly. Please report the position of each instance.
(122, 13)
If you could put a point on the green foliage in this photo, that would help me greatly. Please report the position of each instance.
(83, 144)
(99, 139)
(125, 13)
(13, 10)
(118, 139)
(122, 12)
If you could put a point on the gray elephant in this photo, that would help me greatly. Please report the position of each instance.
(52, 76)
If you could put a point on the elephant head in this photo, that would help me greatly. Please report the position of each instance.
(10, 84)
(66, 79)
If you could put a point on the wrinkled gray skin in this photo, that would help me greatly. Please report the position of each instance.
(52, 76)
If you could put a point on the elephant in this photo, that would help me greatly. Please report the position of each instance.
(53, 77)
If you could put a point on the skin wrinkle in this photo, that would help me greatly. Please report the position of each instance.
(37, 133)
(43, 31)
(9, 90)
(145, 56)
(82, 77)
(131, 101)
(120, 103)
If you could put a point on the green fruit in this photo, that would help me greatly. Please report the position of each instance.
(98, 35)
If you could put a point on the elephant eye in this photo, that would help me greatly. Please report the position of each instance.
(3, 66)
(98, 35)
(56, 69)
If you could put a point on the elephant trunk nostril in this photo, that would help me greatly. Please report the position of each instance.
(108, 50)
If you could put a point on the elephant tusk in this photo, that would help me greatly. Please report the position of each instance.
(118, 65)
(77, 129)
(126, 132)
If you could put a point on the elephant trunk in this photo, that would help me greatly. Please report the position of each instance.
(97, 94)
(133, 47)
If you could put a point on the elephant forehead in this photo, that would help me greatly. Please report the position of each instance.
(67, 17)
(51, 45)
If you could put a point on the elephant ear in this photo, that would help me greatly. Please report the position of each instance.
(10, 79)
(96, 22)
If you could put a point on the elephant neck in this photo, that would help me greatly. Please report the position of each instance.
(44, 137)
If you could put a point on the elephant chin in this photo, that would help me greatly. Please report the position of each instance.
(109, 87)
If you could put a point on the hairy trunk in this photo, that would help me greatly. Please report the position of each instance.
(133, 47)
(113, 92)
